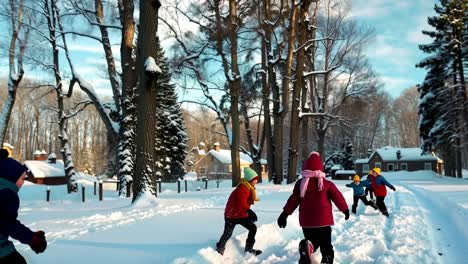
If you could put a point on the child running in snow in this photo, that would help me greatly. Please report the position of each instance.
(12, 176)
(238, 212)
(368, 189)
(314, 195)
(378, 185)
(359, 194)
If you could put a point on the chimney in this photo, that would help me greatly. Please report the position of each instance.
(37, 155)
(398, 154)
(369, 152)
(52, 158)
(217, 147)
(43, 155)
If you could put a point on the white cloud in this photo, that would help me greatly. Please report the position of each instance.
(395, 85)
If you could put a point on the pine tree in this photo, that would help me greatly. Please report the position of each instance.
(171, 138)
(443, 97)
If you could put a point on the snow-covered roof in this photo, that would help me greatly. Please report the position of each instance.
(43, 169)
(52, 156)
(359, 161)
(337, 167)
(8, 146)
(224, 156)
(217, 144)
(43, 152)
(407, 154)
(345, 172)
(37, 152)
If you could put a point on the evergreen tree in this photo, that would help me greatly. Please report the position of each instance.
(171, 138)
(442, 106)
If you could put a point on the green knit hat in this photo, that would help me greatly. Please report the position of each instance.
(250, 174)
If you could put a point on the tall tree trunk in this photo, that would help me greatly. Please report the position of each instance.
(235, 85)
(53, 16)
(296, 95)
(268, 80)
(127, 124)
(281, 113)
(147, 105)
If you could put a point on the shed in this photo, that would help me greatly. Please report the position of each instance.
(344, 174)
(48, 172)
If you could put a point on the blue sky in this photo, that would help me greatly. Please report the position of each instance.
(397, 23)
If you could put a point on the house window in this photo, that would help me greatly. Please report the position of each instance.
(390, 167)
(365, 168)
(427, 166)
(378, 165)
(226, 168)
(202, 170)
(404, 166)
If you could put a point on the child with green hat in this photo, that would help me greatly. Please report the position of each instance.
(238, 212)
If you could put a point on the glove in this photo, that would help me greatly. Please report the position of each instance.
(252, 215)
(393, 188)
(282, 220)
(38, 242)
(346, 214)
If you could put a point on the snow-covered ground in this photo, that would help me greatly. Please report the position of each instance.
(429, 214)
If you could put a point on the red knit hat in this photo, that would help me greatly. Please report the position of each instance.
(313, 163)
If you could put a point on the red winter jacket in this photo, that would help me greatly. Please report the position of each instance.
(315, 208)
(237, 204)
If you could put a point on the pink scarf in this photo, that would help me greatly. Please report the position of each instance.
(306, 175)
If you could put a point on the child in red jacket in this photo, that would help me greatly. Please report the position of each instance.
(238, 212)
(379, 184)
(314, 194)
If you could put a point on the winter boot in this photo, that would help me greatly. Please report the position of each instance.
(219, 249)
(327, 260)
(249, 248)
(386, 214)
(353, 210)
(374, 206)
(305, 250)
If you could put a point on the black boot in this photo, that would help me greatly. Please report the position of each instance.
(305, 250)
(249, 248)
(353, 210)
(373, 205)
(327, 260)
(219, 248)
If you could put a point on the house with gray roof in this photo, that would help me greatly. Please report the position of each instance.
(398, 159)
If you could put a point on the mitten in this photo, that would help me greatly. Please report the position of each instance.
(252, 215)
(393, 188)
(38, 242)
(346, 213)
(282, 220)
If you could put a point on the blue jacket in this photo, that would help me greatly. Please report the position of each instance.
(9, 225)
(358, 189)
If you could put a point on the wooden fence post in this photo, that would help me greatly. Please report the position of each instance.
(101, 191)
(48, 194)
(83, 190)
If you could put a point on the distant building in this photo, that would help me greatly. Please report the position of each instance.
(216, 164)
(48, 171)
(343, 174)
(9, 148)
(398, 159)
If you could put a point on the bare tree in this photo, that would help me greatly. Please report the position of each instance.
(19, 36)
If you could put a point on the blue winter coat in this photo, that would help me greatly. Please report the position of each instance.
(358, 189)
(9, 225)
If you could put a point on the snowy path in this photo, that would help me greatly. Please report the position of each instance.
(426, 226)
